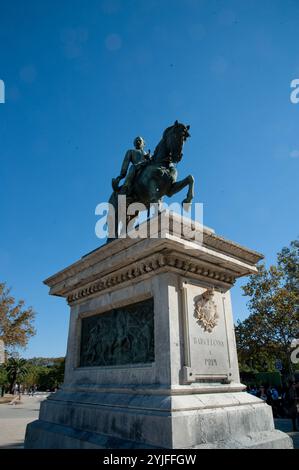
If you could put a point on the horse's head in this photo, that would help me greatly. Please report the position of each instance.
(174, 137)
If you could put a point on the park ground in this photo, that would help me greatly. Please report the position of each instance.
(14, 419)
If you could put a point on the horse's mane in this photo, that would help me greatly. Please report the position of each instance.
(165, 134)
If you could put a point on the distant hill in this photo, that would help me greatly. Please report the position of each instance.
(45, 361)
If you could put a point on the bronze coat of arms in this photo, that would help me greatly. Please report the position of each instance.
(205, 310)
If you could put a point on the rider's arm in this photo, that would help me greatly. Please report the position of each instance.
(148, 156)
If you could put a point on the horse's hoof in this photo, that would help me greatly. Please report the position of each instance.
(186, 205)
(187, 201)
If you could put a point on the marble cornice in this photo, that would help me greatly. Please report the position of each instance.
(127, 259)
(160, 262)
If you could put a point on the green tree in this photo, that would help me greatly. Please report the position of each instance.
(3, 379)
(288, 262)
(32, 375)
(58, 372)
(51, 377)
(273, 322)
(16, 370)
(46, 373)
(16, 321)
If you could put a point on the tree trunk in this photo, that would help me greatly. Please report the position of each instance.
(12, 383)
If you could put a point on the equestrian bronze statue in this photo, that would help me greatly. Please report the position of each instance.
(149, 178)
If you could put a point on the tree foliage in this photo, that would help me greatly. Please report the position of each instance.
(288, 262)
(45, 361)
(16, 321)
(27, 373)
(273, 322)
(51, 377)
(46, 373)
(3, 376)
(16, 370)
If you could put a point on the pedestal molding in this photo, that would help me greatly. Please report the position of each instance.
(152, 265)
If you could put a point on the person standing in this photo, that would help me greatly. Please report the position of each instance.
(292, 404)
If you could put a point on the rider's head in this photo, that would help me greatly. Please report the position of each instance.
(139, 142)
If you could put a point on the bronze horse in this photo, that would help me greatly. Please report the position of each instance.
(158, 177)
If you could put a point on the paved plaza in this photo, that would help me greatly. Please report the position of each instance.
(14, 419)
(285, 425)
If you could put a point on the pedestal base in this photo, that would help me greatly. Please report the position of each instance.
(139, 421)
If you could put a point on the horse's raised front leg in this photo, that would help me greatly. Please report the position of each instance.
(179, 185)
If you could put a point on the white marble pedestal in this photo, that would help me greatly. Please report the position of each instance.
(187, 392)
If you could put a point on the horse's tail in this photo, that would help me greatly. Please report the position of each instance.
(115, 185)
(112, 217)
(113, 199)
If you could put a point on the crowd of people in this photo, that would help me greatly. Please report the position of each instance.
(283, 400)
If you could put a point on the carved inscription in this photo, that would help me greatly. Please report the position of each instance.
(207, 353)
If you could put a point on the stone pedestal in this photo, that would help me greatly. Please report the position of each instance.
(151, 359)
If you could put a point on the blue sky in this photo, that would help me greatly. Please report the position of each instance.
(84, 78)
